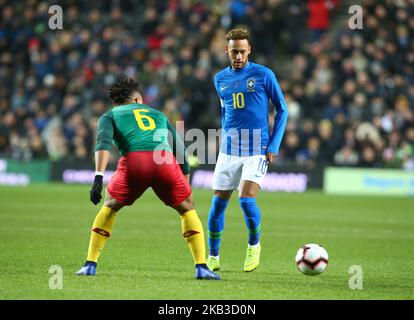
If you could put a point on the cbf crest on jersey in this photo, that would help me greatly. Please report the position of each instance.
(250, 84)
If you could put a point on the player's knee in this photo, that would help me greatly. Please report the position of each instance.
(225, 195)
(186, 205)
(189, 203)
(113, 204)
(249, 189)
(248, 194)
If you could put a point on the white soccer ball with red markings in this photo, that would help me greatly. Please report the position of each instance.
(312, 259)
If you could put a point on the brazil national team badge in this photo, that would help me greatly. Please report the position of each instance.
(250, 84)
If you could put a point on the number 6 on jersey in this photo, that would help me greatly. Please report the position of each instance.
(140, 117)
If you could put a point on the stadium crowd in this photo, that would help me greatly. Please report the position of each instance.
(350, 93)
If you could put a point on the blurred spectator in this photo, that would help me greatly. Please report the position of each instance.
(19, 146)
(350, 94)
(291, 146)
(368, 157)
(313, 155)
(328, 144)
(318, 19)
(367, 132)
(334, 107)
(346, 157)
(240, 10)
(293, 107)
(296, 24)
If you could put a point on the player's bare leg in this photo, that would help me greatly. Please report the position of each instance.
(223, 194)
(248, 189)
(185, 206)
(101, 231)
(247, 200)
(193, 233)
(111, 202)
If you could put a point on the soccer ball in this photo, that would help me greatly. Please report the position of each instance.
(312, 259)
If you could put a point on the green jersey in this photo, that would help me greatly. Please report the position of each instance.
(137, 127)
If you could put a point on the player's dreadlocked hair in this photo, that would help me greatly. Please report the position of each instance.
(120, 92)
(237, 34)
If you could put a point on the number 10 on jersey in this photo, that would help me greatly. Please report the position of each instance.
(238, 100)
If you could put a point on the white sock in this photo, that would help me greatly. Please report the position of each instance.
(254, 246)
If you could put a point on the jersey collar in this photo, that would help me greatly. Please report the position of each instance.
(246, 67)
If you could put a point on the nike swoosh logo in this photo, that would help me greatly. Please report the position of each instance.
(224, 88)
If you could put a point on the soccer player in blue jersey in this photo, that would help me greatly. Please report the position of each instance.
(244, 89)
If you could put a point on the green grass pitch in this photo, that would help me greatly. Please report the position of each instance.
(146, 257)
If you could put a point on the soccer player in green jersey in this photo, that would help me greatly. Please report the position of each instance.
(147, 160)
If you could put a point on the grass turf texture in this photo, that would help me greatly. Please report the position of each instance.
(146, 257)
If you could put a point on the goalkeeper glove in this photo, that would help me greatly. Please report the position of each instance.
(95, 192)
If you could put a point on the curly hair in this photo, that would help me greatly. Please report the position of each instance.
(120, 92)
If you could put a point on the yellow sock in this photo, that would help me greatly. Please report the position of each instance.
(194, 235)
(101, 231)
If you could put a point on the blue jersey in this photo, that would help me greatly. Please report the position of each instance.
(244, 96)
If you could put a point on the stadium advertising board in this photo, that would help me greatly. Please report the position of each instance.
(78, 172)
(380, 182)
(21, 173)
(280, 179)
